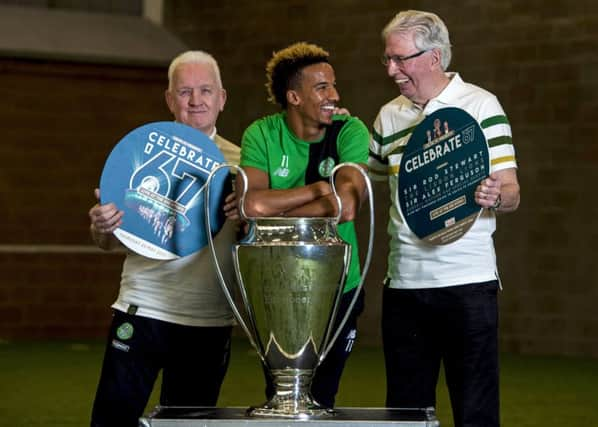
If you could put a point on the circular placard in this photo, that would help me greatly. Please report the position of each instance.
(444, 161)
(156, 175)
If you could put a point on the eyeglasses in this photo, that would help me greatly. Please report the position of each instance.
(400, 60)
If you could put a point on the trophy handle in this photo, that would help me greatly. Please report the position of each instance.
(223, 283)
(368, 258)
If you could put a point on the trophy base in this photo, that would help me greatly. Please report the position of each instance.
(292, 398)
(291, 407)
(170, 416)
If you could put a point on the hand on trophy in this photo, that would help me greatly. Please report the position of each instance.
(230, 207)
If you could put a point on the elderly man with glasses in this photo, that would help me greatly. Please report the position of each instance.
(440, 302)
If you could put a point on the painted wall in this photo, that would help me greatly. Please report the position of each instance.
(539, 58)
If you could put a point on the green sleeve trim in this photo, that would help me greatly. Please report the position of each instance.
(494, 120)
(391, 138)
(500, 140)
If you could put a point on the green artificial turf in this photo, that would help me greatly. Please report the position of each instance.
(53, 383)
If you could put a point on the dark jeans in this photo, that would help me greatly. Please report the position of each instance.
(327, 377)
(457, 325)
(193, 361)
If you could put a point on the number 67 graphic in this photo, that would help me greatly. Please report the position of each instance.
(155, 176)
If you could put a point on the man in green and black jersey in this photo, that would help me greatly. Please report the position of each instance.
(288, 158)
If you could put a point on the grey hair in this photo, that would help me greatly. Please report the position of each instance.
(194, 57)
(429, 32)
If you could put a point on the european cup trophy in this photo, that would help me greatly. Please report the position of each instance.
(291, 273)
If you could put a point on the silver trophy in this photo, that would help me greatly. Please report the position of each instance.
(291, 273)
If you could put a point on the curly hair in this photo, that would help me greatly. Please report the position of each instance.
(283, 70)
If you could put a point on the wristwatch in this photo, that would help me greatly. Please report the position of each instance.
(496, 204)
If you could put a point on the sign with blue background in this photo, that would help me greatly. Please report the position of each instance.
(156, 175)
(444, 161)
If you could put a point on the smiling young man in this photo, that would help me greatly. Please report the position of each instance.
(288, 158)
(440, 302)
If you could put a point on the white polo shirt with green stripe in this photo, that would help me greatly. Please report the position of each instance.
(413, 264)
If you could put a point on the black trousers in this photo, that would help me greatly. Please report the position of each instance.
(193, 361)
(457, 326)
(327, 377)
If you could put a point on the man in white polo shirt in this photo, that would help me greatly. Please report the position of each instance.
(170, 316)
(440, 302)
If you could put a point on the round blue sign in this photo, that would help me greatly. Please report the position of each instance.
(444, 161)
(156, 175)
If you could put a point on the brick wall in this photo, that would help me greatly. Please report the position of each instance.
(57, 295)
(59, 122)
(540, 58)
